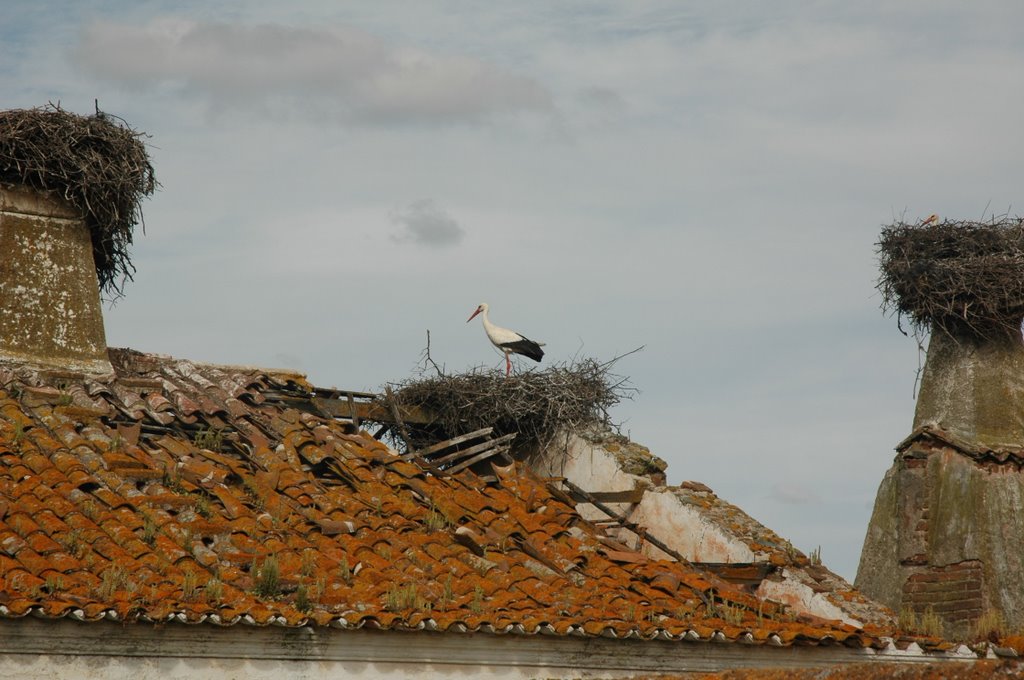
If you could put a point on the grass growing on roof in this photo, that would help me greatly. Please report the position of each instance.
(959, 277)
(97, 163)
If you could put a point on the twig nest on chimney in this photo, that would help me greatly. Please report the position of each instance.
(959, 277)
(97, 163)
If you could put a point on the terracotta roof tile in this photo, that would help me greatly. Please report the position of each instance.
(180, 490)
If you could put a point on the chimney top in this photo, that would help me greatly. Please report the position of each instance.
(963, 283)
(70, 193)
(974, 390)
(97, 163)
(50, 314)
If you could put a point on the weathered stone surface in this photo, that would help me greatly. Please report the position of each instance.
(877, 576)
(632, 458)
(947, 536)
(947, 531)
(975, 391)
(50, 312)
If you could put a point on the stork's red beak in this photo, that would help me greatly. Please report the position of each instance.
(473, 315)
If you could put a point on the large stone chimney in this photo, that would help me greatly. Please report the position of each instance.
(946, 537)
(70, 192)
(50, 315)
(974, 388)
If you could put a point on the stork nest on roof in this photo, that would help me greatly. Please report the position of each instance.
(963, 278)
(536, 405)
(97, 163)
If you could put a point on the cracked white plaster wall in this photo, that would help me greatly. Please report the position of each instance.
(803, 598)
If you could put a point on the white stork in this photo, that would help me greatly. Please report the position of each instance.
(508, 341)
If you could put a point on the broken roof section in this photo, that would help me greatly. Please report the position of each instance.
(179, 491)
(692, 523)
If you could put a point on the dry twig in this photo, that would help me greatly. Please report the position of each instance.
(963, 278)
(98, 163)
(536, 405)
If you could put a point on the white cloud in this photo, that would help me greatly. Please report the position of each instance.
(340, 73)
(425, 223)
(602, 98)
(793, 493)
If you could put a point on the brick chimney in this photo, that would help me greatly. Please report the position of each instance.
(945, 543)
(50, 315)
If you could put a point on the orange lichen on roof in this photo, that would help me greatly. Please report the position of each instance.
(180, 491)
(770, 548)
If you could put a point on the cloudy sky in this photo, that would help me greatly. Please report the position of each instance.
(707, 180)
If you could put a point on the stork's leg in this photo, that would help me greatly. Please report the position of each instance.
(508, 365)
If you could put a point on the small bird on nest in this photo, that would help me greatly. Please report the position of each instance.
(931, 219)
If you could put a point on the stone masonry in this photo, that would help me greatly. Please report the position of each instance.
(947, 532)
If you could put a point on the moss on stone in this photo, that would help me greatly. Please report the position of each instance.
(632, 458)
(975, 391)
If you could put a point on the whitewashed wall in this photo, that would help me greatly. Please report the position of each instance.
(64, 649)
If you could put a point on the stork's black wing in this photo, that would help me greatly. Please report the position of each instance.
(524, 346)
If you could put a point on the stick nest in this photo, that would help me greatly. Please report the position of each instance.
(97, 163)
(963, 278)
(536, 405)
